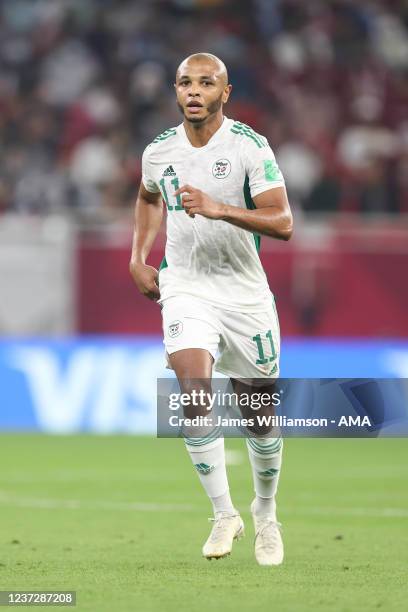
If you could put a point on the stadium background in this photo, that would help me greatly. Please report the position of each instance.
(84, 86)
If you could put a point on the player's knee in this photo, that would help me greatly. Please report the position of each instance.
(197, 394)
(198, 385)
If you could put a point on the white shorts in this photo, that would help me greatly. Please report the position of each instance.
(243, 345)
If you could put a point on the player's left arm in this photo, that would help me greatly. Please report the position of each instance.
(271, 217)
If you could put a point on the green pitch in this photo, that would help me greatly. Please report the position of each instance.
(121, 520)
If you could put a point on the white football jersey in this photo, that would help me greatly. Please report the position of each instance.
(212, 259)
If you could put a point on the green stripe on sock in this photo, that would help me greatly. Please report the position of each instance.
(270, 449)
(201, 441)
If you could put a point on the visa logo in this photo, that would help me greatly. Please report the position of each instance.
(98, 388)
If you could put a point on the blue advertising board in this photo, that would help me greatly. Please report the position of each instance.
(107, 385)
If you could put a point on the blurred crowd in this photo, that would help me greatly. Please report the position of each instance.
(85, 85)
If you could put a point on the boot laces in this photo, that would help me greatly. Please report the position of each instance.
(269, 531)
(221, 526)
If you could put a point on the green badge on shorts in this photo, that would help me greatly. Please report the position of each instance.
(271, 170)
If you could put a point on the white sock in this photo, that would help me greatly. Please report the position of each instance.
(265, 456)
(209, 461)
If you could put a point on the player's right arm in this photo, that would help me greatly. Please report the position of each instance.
(148, 217)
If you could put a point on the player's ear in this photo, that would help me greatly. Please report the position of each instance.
(226, 93)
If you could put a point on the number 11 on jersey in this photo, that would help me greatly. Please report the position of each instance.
(175, 184)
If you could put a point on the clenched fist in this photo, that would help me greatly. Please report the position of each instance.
(145, 278)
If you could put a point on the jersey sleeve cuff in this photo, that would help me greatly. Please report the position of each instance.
(149, 188)
(262, 188)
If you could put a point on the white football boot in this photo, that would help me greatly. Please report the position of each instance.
(268, 539)
(227, 528)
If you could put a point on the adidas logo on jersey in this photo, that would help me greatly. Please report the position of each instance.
(169, 171)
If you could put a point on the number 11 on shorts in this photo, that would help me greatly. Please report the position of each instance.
(258, 340)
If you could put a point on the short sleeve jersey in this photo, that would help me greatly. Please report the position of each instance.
(212, 259)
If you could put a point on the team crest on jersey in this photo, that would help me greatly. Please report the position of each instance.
(221, 168)
(175, 329)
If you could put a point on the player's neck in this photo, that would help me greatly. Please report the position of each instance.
(199, 134)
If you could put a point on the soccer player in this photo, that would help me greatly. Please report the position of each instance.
(222, 189)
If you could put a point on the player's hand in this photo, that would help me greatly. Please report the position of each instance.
(196, 202)
(145, 278)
